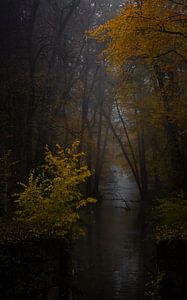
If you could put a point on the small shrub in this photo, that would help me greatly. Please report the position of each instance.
(51, 202)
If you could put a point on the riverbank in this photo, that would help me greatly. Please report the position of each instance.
(165, 252)
(35, 270)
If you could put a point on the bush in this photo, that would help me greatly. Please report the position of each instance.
(172, 217)
(51, 201)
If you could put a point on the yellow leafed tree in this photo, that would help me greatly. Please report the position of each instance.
(148, 31)
(145, 46)
(50, 203)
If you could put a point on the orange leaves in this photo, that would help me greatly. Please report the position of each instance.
(146, 32)
(140, 37)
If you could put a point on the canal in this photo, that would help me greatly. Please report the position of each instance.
(109, 260)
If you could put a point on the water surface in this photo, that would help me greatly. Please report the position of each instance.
(108, 261)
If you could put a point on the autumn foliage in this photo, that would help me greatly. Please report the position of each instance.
(145, 48)
(51, 201)
(148, 31)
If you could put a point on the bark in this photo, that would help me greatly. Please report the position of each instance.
(177, 159)
(124, 151)
(98, 152)
(32, 96)
(128, 139)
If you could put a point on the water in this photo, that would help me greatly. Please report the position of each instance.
(108, 262)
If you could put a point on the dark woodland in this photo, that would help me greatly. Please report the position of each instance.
(93, 149)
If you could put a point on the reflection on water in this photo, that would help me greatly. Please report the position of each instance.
(109, 261)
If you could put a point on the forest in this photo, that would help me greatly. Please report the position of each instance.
(93, 151)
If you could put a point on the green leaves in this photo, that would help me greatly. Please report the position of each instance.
(172, 215)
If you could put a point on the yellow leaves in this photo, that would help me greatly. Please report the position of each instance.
(145, 32)
(50, 202)
(165, 232)
(85, 202)
(140, 37)
(172, 213)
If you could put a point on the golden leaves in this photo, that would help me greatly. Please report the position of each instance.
(172, 215)
(51, 201)
(147, 32)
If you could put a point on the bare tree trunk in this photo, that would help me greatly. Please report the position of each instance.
(98, 152)
(130, 163)
(177, 159)
(32, 95)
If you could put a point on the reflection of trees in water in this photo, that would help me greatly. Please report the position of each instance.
(110, 256)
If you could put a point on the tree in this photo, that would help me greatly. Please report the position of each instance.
(51, 83)
(50, 203)
(146, 50)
